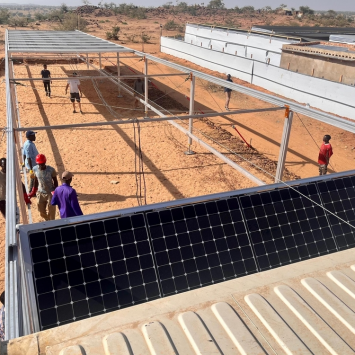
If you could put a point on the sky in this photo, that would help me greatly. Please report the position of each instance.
(341, 5)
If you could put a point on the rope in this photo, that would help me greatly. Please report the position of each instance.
(249, 146)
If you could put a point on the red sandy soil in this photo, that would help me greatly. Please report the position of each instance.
(99, 155)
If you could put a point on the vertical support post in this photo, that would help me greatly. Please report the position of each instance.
(100, 60)
(146, 86)
(87, 60)
(191, 112)
(284, 144)
(118, 75)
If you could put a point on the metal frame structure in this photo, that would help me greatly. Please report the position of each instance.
(21, 319)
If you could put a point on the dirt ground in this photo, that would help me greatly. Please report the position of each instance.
(99, 156)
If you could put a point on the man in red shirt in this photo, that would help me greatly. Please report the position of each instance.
(325, 153)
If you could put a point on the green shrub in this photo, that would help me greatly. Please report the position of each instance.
(145, 38)
(113, 34)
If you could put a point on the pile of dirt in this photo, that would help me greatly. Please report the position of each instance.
(266, 165)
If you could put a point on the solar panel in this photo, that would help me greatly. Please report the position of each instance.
(92, 268)
(198, 245)
(286, 227)
(87, 269)
(338, 196)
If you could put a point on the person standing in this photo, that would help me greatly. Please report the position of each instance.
(228, 93)
(139, 89)
(65, 198)
(326, 151)
(45, 182)
(3, 189)
(2, 317)
(46, 74)
(74, 91)
(29, 154)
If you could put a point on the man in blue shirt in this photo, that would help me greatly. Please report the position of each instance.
(29, 154)
(66, 198)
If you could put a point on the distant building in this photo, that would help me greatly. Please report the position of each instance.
(287, 11)
(321, 59)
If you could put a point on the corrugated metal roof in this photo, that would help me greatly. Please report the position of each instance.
(59, 42)
(297, 309)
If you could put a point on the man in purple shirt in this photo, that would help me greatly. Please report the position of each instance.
(66, 198)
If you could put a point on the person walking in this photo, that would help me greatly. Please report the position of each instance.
(65, 198)
(29, 155)
(3, 189)
(326, 151)
(75, 89)
(139, 90)
(46, 74)
(228, 93)
(45, 183)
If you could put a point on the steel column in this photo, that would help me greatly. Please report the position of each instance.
(11, 330)
(191, 112)
(146, 86)
(87, 60)
(118, 75)
(100, 60)
(284, 146)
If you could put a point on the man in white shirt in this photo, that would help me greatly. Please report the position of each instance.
(74, 91)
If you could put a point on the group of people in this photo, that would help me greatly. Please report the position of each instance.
(73, 83)
(44, 184)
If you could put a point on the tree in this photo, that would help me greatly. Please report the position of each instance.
(283, 6)
(306, 10)
(63, 8)
(216, 4)
(331, 14)
(247, 9)
(85, 2)
(4, 15)
(72, 22)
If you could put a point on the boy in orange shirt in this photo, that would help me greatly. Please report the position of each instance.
(325, 153)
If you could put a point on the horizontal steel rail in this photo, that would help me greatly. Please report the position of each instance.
(145, 120)
(129, 76)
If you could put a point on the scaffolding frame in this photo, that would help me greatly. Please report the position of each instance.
(21, 319)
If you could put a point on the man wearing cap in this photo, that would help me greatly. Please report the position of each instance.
(29, 154)
(66, 198)
(74, 91)
(45, 182)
